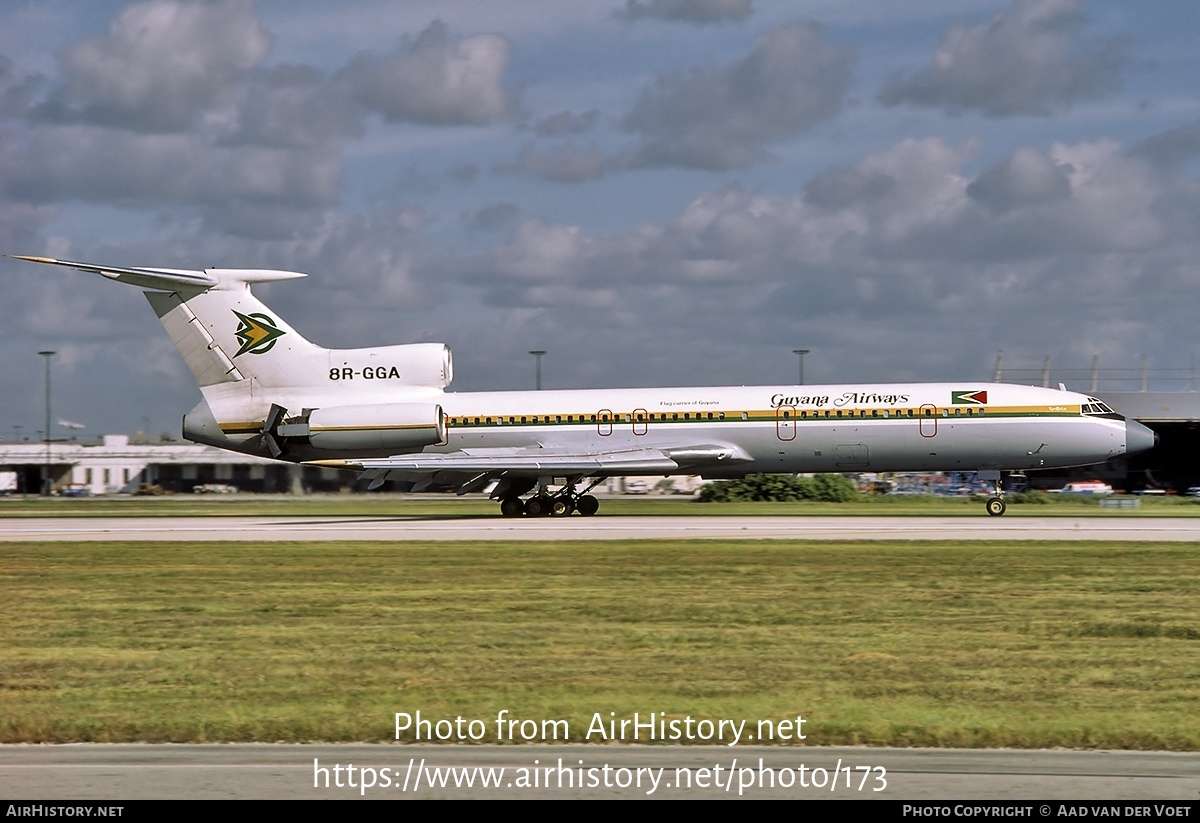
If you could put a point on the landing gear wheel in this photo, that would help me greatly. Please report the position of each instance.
(512, 507)
(560, 507)
(537, 506)
(995, 506)
(587, 505)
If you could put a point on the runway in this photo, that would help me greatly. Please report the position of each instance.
(260, 529)
(260, 771)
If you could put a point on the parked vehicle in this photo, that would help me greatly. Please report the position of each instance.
(1087, 487)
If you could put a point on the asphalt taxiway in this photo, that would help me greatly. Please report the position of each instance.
(259, 529)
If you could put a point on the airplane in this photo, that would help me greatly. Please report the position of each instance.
(384, 411)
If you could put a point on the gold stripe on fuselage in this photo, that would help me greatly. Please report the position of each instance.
(875, 414)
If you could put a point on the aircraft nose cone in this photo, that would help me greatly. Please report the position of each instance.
(1138, 438)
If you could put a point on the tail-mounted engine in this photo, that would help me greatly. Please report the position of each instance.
(383, 428)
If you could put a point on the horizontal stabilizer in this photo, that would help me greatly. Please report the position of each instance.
(172, 279)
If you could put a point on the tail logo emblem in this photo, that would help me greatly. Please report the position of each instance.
(257, 333)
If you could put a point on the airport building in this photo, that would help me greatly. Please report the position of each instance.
(119, 464)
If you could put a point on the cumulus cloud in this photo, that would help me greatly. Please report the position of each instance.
(172, 109)
(1024, 178)
(16, 90)
(435, 78)
(1031, 59)
(164, 65)
(463, 173)
(719, 118)
(566, 122)
(493, 217)
(293, 107)
(1172, 149)
(687, 11)
(904, 250)
(138, 170)
(562, 164)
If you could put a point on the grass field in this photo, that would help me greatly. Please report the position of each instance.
(930, 644)
(434, 505)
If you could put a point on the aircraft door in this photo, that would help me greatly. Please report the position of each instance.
(928, 421)
(641, 421)
(785, 422)
(604, 422)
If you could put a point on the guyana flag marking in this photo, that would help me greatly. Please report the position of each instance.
(964, 398)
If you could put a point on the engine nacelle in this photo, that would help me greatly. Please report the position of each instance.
(379, 427)
(409, 364)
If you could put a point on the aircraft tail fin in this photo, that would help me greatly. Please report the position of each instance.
(214, 320)
(227, 335)
(208, 362)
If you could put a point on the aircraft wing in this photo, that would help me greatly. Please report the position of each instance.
(471, 469)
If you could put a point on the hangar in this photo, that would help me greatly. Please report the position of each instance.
(1165, 399)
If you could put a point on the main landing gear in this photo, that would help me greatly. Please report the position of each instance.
(553, 504)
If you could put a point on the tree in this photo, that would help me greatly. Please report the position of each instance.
(825, 488)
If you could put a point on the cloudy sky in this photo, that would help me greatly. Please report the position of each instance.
(656, 192)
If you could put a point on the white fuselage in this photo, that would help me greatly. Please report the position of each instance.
(872, 427)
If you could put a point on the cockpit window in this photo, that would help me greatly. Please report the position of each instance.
(1094, 406)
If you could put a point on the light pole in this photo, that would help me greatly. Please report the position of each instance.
(800, 353)
(46, 474)
(537, 354)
